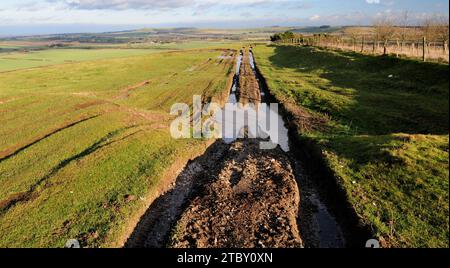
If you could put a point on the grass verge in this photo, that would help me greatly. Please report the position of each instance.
(381, 124)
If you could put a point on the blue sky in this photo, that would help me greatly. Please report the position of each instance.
(46, 16)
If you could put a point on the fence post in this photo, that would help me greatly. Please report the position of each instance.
(374, 47)
(385, 47)
(424, 48)
(362, 44)
(398, 48)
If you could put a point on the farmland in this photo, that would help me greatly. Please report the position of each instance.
(23, 60)
(84, 146)
(24, 55)
(381, 125)
(86, 154)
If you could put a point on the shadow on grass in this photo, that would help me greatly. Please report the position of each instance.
(386, 104)
(33, 192)
(370, 94)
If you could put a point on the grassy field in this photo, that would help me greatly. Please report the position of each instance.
(39, 56)
(82, 145)
(23, 60)
(382, 124)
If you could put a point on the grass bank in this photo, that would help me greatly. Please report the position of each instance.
(381, 124)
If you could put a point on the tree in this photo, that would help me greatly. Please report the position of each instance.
(442, 30)
(404, 24)
(282, 36)
(384, 31)
(275, 37)
(436, 29)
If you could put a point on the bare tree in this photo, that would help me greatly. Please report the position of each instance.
(353, 33)
(442, 31)
(384, 31)
(436, 29)
(429, 29)
(404, 25)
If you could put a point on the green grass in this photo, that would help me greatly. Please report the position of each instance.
(187, 45)
(386, 134)
(22, 60)
(13, 58)
(85, 179)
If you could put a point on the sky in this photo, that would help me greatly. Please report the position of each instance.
(25, 17)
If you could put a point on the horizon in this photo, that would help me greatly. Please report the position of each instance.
(104, 29)
(46, 17)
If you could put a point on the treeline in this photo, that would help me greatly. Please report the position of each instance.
(283, 36)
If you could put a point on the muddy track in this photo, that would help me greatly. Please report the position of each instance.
(235, 195)
(249, 90)
(239, 196)
(155, 225)
(248, 200)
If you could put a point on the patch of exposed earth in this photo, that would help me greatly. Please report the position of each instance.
(233, 196)
(248, 200)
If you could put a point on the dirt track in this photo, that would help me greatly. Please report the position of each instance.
(234, 196)
(250, 199)
(249, 91)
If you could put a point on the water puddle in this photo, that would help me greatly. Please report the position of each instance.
(328, 230)
(232, 98)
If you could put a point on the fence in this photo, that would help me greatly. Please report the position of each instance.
(422, 48)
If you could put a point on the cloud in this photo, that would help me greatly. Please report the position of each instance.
(314, 18)
(154, 4)
(373, 1)
(125, 4)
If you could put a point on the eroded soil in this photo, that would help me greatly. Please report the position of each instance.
(248, 200)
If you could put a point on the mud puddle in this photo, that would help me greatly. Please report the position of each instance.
(318, 227)
(282, 137)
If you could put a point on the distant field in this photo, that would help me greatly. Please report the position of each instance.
(190, 45)
(14, 60)
(23, 60)
(382, 125)
(83, 145)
